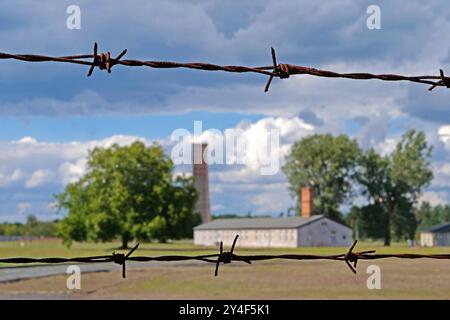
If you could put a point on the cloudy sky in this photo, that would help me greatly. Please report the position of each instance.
(51, 114)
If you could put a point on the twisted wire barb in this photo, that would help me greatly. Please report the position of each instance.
(283, 71)
(350, 258)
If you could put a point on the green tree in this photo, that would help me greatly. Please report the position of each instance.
(13, 229)
(326, 163)
(31, 225)
(428, 216)
(392, 184)
(128, 192)
(444, 212)
(372, 221)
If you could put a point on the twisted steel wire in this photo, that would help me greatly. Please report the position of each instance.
(350, 258)
(283, 71)
(104, 61)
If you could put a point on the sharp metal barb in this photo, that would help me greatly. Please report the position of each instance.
(445, 81)
(274, 70)
(234, 243)
(121, 54)
(351, 257)
(132, 250)
(353, 246)
(219, 259)
(94, 61)
(274, 60)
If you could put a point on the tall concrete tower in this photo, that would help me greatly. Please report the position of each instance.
(201, 180)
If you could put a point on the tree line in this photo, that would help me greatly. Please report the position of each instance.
(31, 228)
(341, 172)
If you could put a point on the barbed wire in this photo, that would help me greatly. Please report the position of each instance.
(225, 257)
(104, 61)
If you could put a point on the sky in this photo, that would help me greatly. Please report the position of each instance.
(51, 114)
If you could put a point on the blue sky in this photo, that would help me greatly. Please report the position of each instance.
(51, 114)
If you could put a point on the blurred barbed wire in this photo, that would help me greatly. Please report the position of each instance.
(225, 257)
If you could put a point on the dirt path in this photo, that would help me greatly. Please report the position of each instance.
(31, 272)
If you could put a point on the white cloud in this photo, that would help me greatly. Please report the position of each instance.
(46, 167)
(72, 171)
(31, 171)
(259, 147)
(217, 207)
(386, 146)
(444, 134)
(441, 172)
(6, 179)
(203, 31)
(253, 191)
(27, 140)
(273, 201)
(434, 198)
(38, 178)
(48, 163)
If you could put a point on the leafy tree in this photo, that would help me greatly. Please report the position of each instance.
(128, 192)
(392, 184)
(444, 212)
(428, 216)
(12, 229)
(32, 228)
(32, 221)
(326, 163)
(226, 216)
(372, 221)
(353, 219)
(31, 224)
(35, 228)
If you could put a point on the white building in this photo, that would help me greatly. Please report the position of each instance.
(290, 232)
(438, 235)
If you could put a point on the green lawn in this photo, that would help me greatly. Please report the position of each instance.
(277, 279)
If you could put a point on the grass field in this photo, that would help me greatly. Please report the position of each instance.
(400, 279)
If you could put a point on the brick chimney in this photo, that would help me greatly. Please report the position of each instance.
(306, 201)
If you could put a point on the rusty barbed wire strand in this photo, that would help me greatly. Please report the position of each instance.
(225, 257)
(283, 71)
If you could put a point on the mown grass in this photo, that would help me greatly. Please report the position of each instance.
(401, 279)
